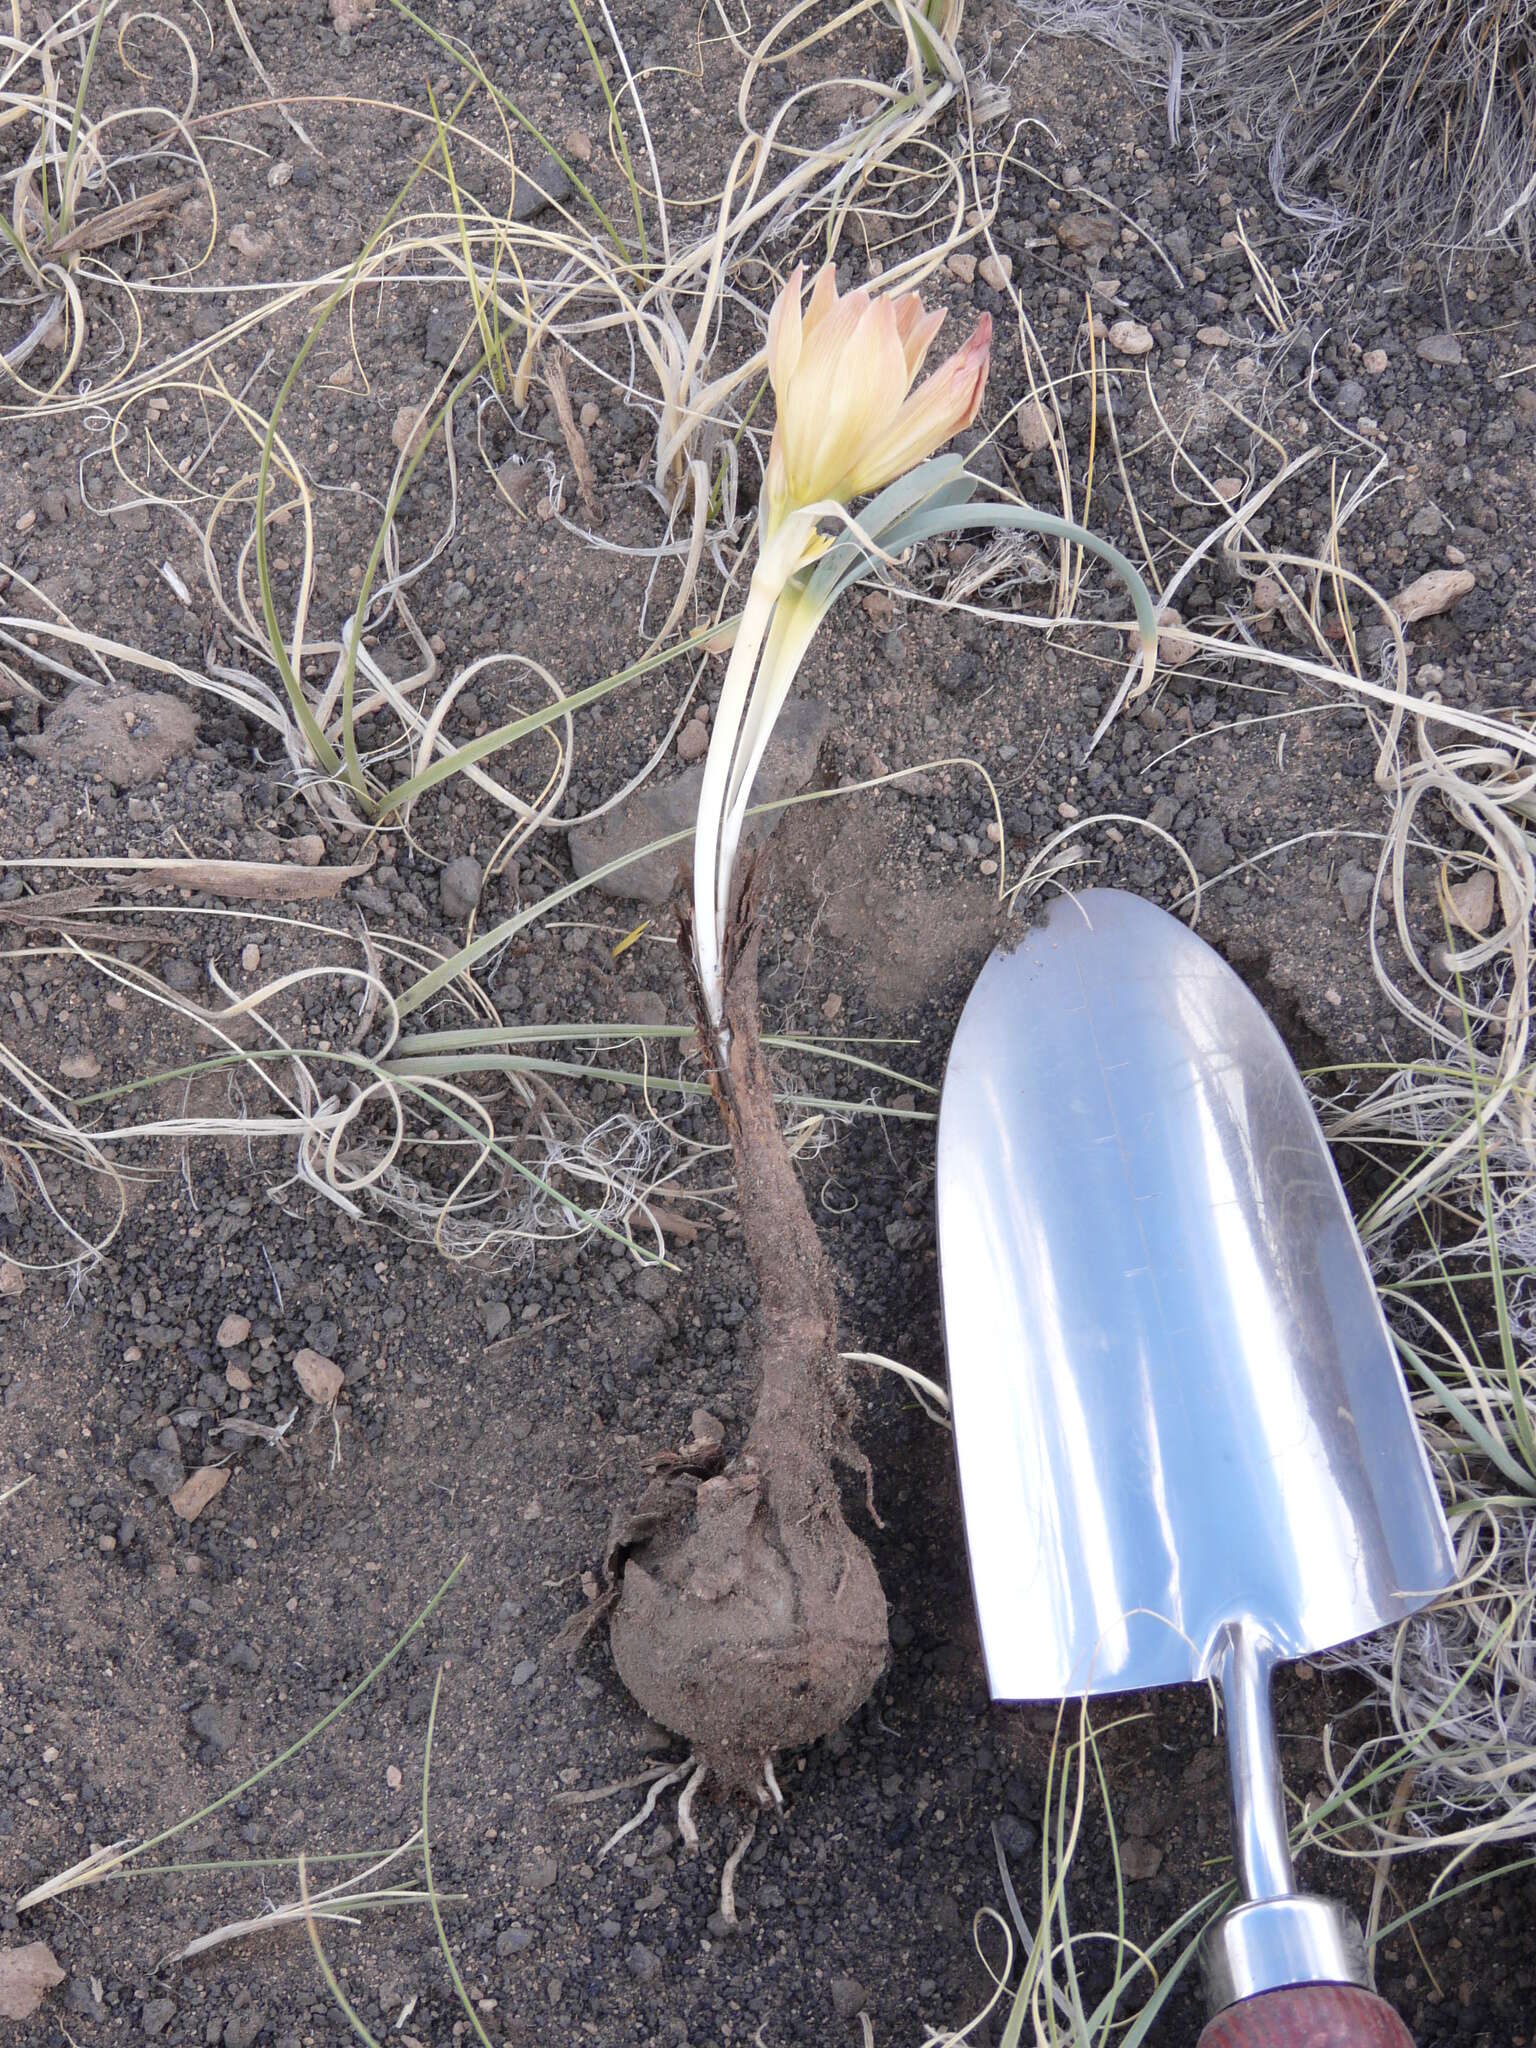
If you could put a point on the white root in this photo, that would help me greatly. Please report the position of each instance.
(728, 1876)
(640, 1819)
(686, 1826)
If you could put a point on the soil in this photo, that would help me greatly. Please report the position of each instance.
(148, 1663)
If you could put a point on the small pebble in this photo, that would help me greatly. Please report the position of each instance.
(1174, 647)
(1374, 361)
(1214, 337)
(538, 1871)
(995, 271)
(1440, 348)
(1035, 428)
(1130, 338)
(250, 957)
(848, 1997)
(408, 429)
(693, 741)
(233, 1330)
(459, 886)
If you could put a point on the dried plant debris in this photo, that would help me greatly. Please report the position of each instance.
(1404, 127)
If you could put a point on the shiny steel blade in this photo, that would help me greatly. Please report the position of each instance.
(1177, 1408)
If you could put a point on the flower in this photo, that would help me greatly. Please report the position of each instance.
(843, 372)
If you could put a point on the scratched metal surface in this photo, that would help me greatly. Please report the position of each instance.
(1176, 1401)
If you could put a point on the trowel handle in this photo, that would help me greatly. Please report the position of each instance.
(1308, 2016)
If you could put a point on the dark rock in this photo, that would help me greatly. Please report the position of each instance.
(644, 1964)
(241, 2028)
(545, 185)
(538, 1872)
(848, 1997)
(445, 331)
(159, 1468)
(80, 1998)
(1208, 848)
(513, 1940)
(157, 2016)
(217, 1723)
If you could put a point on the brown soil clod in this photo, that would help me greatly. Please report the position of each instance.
(750, 1617)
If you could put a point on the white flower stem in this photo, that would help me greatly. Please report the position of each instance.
(708, 890)
(795, 620)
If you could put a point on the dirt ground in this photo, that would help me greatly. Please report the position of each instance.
(498, 1414)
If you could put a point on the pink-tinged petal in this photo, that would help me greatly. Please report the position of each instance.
(784, 332)
(917, 331)
(823, 295)
(944, 403)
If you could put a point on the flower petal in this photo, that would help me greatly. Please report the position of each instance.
(784, 332)
(825, 403)
(940, 407)
(917, 330)
(823, 296)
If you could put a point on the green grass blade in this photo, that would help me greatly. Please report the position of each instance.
(618, 128)
(471, 64)
(426, 1861)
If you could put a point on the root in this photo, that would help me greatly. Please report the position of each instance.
(686, 1826)
(728, 1876)
(750, 1618)
(640, 1819)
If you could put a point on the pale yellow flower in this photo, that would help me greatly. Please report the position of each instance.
(843, 371)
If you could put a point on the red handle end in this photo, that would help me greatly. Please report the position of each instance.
(1308, 2016)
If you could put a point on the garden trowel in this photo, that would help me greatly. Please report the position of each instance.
(1185, 1445)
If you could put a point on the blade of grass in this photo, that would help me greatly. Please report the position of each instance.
(469, 63)
(618, 130)
(426, 1861)
(332, 1983)
(490, 349)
